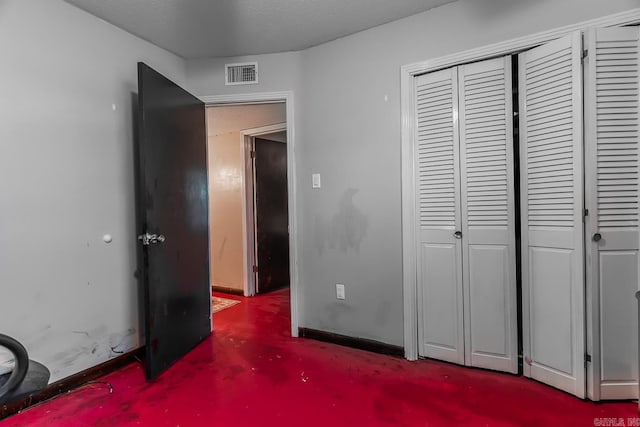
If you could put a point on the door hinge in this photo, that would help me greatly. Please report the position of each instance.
(585, 53)
(586, 212)
(253, 154)
(255, 268)
(587, 359)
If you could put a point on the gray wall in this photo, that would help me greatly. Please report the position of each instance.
(66, 178)
(352, 136)
(276, 72)
(350, 230)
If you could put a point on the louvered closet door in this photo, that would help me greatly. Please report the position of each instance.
(440, 319)
(488, 230)
(552, 203)
(612, 198)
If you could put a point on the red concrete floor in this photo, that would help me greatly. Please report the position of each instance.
(251, 373)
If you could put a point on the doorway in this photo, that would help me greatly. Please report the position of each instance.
(249, 192)
(173, 141)
(267, 219)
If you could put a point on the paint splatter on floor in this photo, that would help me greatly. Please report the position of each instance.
(251, 373)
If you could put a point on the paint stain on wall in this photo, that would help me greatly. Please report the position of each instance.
(222, 246)
(382, 313)
(120, 343)
(349, 225)
(345, 230)
(336, 315)
(319, 234)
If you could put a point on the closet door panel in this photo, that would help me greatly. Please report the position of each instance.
(550, 86)
(439, 275)
(550, 300)
(440, 271)
(618, 325)
(490, 323)
(488, 231)
(612, 171)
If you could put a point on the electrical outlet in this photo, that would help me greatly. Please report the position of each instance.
(340, 291)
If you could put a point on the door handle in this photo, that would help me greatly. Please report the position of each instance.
(458, 234)
(151, 239)
(597, 237)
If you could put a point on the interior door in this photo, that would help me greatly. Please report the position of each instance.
(488, 225)
(552, 208)
(612, 234)
(174, 220)
(272, 215)
(439, 275)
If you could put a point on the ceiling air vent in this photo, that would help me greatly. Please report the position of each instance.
(241, 74)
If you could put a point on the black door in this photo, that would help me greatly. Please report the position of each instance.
(272, 217)
(174, 217)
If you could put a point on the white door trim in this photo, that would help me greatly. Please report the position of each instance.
(248, 201)
(407, 74)
(264, 130)
(288, 98)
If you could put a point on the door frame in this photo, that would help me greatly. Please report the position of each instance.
(407, 75)
(249, 227)
(288, 98)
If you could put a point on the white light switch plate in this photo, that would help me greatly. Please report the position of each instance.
(340, 291)
(316, 180)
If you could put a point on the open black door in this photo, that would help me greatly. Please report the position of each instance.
(173, 213)
(272, 216)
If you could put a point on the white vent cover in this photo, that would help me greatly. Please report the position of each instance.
(241, 74)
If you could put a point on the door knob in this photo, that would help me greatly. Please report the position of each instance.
(458, 234)
(597, 237)
(151, 239)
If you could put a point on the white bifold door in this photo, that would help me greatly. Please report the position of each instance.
(551, 176)
(612, 238)
(466, 231)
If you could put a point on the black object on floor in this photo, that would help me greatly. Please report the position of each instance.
(27, 377)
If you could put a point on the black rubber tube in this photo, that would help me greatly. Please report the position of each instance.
(21, 364)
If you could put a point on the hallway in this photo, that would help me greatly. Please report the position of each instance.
(251, 373)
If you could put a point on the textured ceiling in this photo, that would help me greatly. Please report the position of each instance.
(206, 28)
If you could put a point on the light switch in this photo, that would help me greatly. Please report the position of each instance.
(316, 180)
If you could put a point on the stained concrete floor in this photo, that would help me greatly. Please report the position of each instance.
(250, 372)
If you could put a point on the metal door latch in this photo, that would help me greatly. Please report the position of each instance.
(151, 239)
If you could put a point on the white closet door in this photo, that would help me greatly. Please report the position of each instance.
(552, 206)
(488, 230)
(440, 317)
(612, 199)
